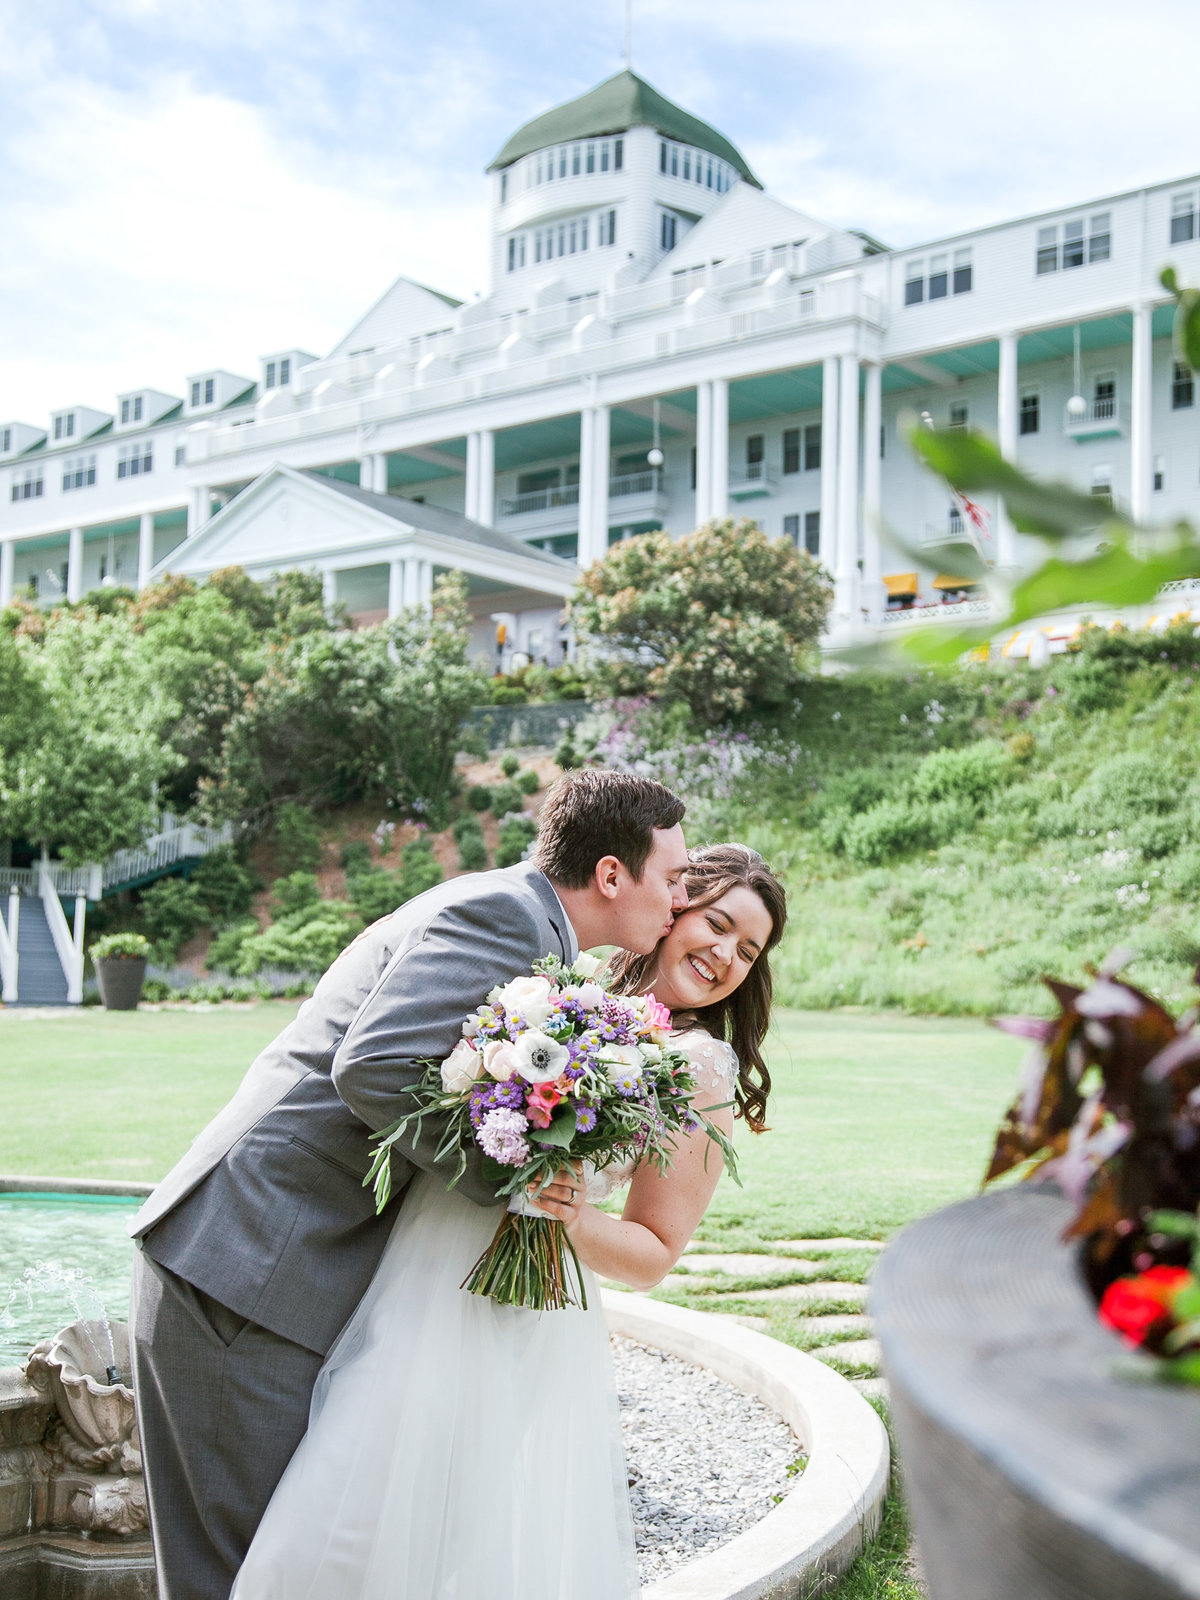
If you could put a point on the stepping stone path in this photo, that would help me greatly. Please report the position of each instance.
(704, 1270)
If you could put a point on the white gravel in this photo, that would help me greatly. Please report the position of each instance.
(706, 1461)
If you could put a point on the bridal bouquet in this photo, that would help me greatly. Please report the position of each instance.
(551, 1070)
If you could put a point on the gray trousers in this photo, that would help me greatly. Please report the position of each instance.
(222, 1404)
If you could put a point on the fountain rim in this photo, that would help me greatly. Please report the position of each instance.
(22, 1186)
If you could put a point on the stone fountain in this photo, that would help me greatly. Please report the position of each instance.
(71, 1471)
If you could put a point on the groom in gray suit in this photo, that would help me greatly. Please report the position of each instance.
(257, 1246)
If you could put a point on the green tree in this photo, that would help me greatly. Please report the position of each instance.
(720, 620)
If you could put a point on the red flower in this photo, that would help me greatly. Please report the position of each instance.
(1140, 1308)
(540, 1103)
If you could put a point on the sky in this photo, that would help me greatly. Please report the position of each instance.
(190, 184)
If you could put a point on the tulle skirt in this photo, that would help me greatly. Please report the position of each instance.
(457, 1449)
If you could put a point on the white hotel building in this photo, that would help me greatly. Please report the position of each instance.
(662, 343)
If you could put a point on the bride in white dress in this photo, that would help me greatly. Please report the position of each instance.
(458, 1449)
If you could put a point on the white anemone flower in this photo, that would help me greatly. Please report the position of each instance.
(541, 1058)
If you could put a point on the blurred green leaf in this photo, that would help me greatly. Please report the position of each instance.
(1187, 328)
(971, 462)
(1114, 577)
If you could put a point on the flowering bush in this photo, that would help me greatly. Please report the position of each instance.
(719, 620)
(552, 1069)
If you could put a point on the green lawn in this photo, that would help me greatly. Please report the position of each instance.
(875, 1119)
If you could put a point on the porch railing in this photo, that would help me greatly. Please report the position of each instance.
(68, 945)
(8, 950)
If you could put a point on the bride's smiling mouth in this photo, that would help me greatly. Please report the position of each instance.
(702, 969)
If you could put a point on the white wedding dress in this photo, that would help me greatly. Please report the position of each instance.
(458, 1449)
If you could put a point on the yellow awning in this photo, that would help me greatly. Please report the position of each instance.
(900, 584)
(946, 580)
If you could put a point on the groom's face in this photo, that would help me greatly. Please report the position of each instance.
(647, 905)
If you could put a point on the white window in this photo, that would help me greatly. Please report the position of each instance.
(180, 455)
(208, 391)
(963, 271)
(1102, 483)
(28, 485)
(1083, 240)
(606, 228)
(1104, 396)
(195, 394)
(959, 414)
(135, 460)
(668, 230)
(1183, 387)
(5, 441)
(285, 370)
(1030, 411)
(939, 277)
(516, 252)
(270, 378)
(1160, 473)
(79, 473)
(64, 426)
(914, 283)
(1183, 216)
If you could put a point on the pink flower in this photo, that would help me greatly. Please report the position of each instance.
(540, 1103)
(500, 1060)
(657, 1015)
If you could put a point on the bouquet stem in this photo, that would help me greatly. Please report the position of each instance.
(530, 1262)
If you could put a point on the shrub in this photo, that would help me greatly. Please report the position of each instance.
(971, 773)
(510, 694)
(472, 853)
(308, 940)
(225, 885)
(505, 797)
(898, 827)
(527, 781)
(375, 893)
(509, 763)
(355, 856)
(120, 947)
(297, 840)
(479, 797)
(419, 869)
(171, 912)
(155, 990)
(1126, 788)
(225, 949)
(1183, 875)
(517, 833)
(566, 755)
(1156, 837)
(721, 620)
(295, 892)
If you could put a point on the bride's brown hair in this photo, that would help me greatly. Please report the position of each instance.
(743, 1016)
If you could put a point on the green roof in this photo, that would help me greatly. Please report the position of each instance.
(620, 102)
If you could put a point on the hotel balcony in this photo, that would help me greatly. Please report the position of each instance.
(752, 482)
(1106, 418)
(633, 497)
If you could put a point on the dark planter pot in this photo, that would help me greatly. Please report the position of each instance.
(1034, 1469)
(120, 979)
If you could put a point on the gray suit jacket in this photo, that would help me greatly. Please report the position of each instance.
(266, 1212)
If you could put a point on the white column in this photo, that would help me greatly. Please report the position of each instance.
(872, 595)
(829, 461)
(199, 509)
(487, 478)
(395, 587)
(329, 586)
(8, 565)
(1140, 449)
(412, 581)
(425, 583)
(366, 472)
(10, 990)
(75, 564)
(601, 445)
(846, 574)
(586, 552)
(1007, 412)
(718, 504)
(145, 548)
(704, 438)
(471, 487)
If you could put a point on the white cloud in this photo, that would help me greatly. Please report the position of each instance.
(165, 232)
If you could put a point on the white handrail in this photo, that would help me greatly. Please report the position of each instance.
(9, 960)
(70, 959)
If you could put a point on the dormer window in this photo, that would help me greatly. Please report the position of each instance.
(694, 166)
(131, 409)
(5, 441)
(64, 425)
(203, 390)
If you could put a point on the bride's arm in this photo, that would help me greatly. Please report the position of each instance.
(661, 1213)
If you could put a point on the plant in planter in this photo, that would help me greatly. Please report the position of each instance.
(1110, 1109)
(120, 962)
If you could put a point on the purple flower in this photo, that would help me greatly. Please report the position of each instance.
(502, 1137)
(585, 1118)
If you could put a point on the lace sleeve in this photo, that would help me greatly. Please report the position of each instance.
(714, 1062)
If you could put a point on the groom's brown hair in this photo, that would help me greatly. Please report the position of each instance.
(594, 812)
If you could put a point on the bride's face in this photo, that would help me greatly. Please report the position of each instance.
(709, 951)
